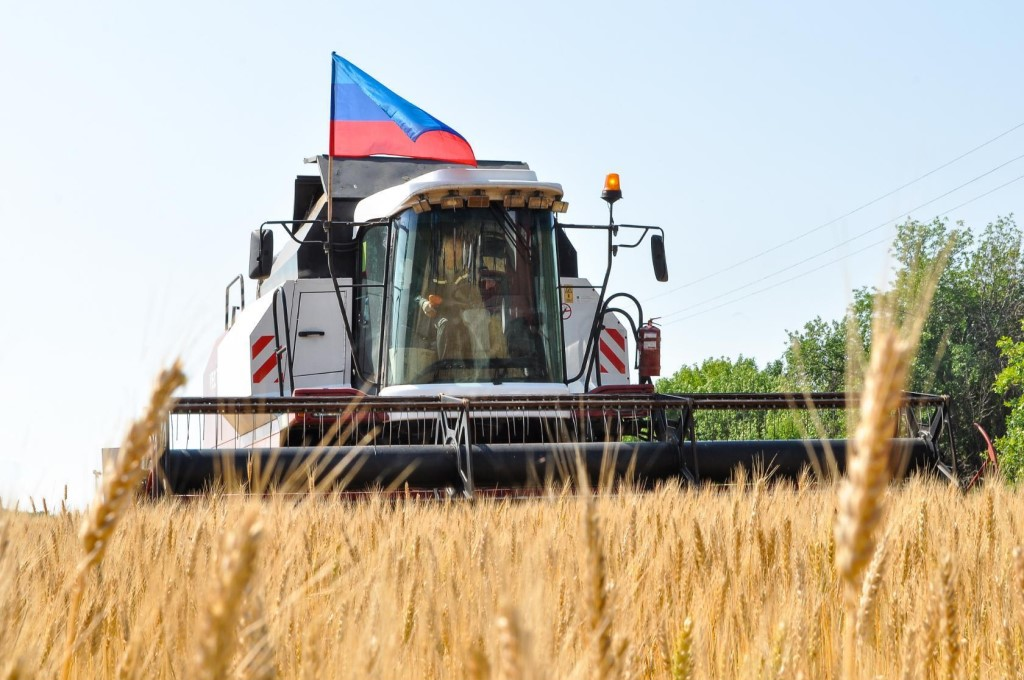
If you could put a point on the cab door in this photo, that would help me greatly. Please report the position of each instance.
(321, 356)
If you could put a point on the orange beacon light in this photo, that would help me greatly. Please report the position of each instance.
(612, 190)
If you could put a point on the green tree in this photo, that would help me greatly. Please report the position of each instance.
(978, 305)
(978, 300)
(724, 375)
(1010, 384)
(742, 375)
(815, 360)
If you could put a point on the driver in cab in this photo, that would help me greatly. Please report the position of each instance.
(451, 298)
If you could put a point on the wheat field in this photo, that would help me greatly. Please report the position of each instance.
(715, 582)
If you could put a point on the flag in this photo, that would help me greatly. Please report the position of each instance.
(368, 118)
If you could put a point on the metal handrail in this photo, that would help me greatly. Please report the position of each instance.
(229, 318)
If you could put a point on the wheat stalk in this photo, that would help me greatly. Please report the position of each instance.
(860, 507)
(234, 571)
(409, 620)
(1018, 565)
(860, 495)
(869, 592)
(597, 594)
(893, 348)
(909, 655)
(990, 518)
(947, 606)
(254, 639)
(477, 666)
(15, 670)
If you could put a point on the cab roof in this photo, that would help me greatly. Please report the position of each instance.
(492, 182)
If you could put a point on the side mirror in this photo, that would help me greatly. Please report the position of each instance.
(658, 257)
(261, 253)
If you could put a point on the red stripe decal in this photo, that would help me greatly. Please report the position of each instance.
(260, 344)
(616, 335)
(264, 370)
(617, 363)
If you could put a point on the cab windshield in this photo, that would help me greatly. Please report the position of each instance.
(475, 298)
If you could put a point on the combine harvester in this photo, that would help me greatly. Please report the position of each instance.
(422, 324)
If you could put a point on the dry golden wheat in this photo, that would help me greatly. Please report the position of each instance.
(869, 593)
(894, 343)
(599, 609)
(218, 626)
(324, 609)
(120, 483)
(946, 601)
(680, 582)
(682, 655)
(510, 655)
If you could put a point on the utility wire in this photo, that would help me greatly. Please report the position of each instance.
(811, 271)
(849, 240)
(841, 217)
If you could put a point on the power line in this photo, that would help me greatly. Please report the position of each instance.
(851, 239)
(841, 217)
(811, 271)
(774, 285)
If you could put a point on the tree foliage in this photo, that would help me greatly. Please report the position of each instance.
(815, 359)
(1010, 384)
(979, 299)
(724, 375)
(743, 375)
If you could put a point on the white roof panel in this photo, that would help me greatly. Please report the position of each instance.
(391, 201)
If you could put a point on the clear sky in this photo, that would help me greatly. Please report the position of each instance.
(141, 142)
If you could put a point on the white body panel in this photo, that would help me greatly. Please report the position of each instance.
(579, 306)
(251, 358)
(476, 390)
(479, 390)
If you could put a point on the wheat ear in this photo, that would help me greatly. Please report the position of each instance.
(510, 651)
(860, 507)
(120, 483)
(893, 347)
(217, 627)
(682, 654)
(123, 479)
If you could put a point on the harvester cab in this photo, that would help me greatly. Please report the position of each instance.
(417, 279)
(423, 325)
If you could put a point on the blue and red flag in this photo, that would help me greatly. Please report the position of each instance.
(368, 118)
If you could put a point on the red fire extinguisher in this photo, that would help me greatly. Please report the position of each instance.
(649, 342)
